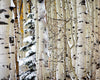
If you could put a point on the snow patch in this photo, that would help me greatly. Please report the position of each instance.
(29, 21)
(28, 39)
(33, 48)
(12, 3)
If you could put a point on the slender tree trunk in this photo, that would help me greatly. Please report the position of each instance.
(98, 43)
(61, 44)
(16, 39)
(11, 43)
(95, 45)
(21, 26)
(43, 48)
(35, 11)
(4, 40)
(74, 33)
(81, 17)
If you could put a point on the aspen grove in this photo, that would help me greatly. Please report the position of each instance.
(49, 39)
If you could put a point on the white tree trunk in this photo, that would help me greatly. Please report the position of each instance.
(4, 40)
(81, 18)
(12, 45)
(98, 42)
(43, 42)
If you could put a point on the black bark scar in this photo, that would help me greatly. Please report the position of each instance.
(82, 2)
(40, 1)
(2, 10)
(3, 23)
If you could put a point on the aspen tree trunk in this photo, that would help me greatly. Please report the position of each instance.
(63, 9)
(60, 73)
(53, 38)
(21, 25)
(11, 43)
(43, 48)
(35, 11)
(98, 43)
(91, 39)
(4, 40)
(68, 34)
(48, 15)
(51, 53)
(81, 17)
(70, 43)
(16, 39)
(95, 49)
(40, 57)
(88, 39)
(18, 36)
(74, 33)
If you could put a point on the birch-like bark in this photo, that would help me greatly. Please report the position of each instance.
(49, 25)
(88, 39)
(51, 49)
(4, 39)
(16, 39)
(53, 37)
(21, 25)
(81, 17)
(95, 44)
(98, 43)
(35, 11)
(60, 73)
(11, 43)
(74, 34)
(43, 48)
(70, 42)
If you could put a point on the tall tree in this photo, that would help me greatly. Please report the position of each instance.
(81, 25)
(5, 56)
(16, 28)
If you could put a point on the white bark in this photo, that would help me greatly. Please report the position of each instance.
(4, 40)
(43, 40)
(81, 18)
(98, 54)
(12, 46)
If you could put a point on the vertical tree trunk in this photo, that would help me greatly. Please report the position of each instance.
(60, 73)
(4, 39)
(51, 32)
(16, 39)
(21, 25)
(35, 11)
(74, 33)
(98, 43)
(81, 17)
(11, 43)
(43, 48)
(95, 45)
